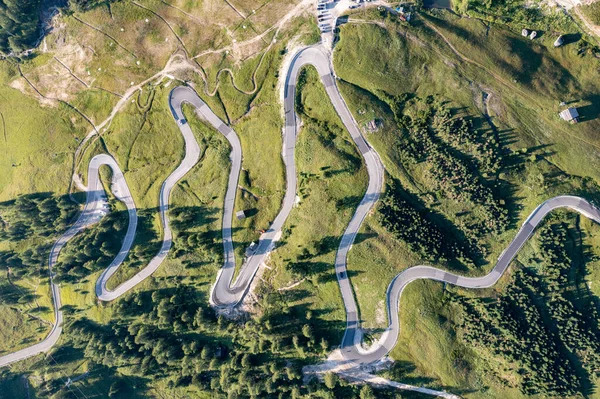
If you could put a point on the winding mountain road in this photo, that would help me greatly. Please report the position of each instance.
(96, 206)
(352, 342)
(227, 294)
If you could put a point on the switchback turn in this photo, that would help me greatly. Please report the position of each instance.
(226, 293)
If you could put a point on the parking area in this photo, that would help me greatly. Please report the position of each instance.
(324, 15)
(328, 12)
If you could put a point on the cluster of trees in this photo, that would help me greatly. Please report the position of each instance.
(505, 11)
(171, 333)
(92, 249)
(34, 216)
(455, 179)
(577, 332)
(30, 224)
(452, 174)
(39, 218)
(513, 329)
(412, 226)
(547, 342)
(459, 133)
(456, 157)
(187, 223)
(31, 262)
(19, 24)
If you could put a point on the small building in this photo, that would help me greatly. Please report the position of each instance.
(240, 215)
(559, 42)
(525, 32)
(373, 125)
(532, 35)
(570, 115)
(403, 13)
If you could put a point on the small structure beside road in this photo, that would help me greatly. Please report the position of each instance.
(559, 42)
(403, 13)
(373, 125)
(570, 115)
(240, 215)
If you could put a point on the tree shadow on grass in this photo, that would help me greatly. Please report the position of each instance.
(570, 38)
(350, 202)
(450, 232)
(592, 111)
(331, 277)
(11, 295)
(406, 372)
(189, 217)
(98, 381)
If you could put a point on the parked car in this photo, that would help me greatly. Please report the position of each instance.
(182, 121)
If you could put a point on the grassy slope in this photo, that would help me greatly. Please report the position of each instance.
(259, 130)
(201, 193)
(38, 164)
(592, 11)
(317, 222)
(256, 118)
(422, 63)
(537, 77)
(530, 103)
(41, 162)
(144, 140)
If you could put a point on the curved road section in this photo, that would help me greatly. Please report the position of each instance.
(192, 155)
(224, 293)
(352, 348)
(351, 344)
(96, 206)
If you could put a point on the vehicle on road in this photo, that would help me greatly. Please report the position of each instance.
(182, 122)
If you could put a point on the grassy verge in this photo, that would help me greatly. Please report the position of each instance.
(592, 11)
(539, 152)
(332, 181)
(39, 165)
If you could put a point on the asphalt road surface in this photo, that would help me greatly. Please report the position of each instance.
(228, 295)
(192, 155)
(223, 292)
(96, 206)
(351, 344)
